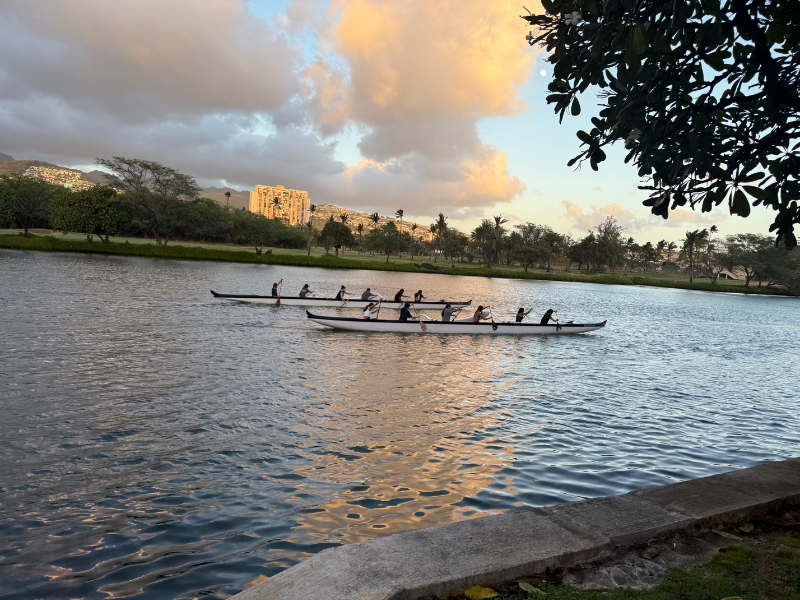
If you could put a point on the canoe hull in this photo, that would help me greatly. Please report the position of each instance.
(332, 302)
(457, 327)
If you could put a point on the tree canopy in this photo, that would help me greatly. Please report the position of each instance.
(704, 95)
(91, 211)
(337, 234)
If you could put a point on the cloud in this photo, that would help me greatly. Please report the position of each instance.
(206, 87)
(144, 60)
(585, 221)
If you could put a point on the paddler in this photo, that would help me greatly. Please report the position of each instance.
(521, 314)
(548, 316)
(398, 297)
(479, 316)
(405, 313)
(305, 291)
(342, 292)
(449, 312)
(368, 295)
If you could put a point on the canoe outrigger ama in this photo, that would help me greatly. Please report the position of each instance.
(333, 302)
(463, 326)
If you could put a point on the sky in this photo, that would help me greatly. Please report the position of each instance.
(373, 105)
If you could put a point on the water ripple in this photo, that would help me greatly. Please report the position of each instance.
(159, 444)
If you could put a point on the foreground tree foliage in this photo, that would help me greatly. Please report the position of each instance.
(704, 94)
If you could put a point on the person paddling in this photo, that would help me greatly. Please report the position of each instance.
(405, 313)
(342, 292)
(449, 312)
(418, 297)
(548, 316)
(398, 297)
(479, 316)
(274, 289)
(521, 314)
(369, 310)
(305, 291)
(368, 295)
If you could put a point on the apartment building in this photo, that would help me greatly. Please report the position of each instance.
(276, 202)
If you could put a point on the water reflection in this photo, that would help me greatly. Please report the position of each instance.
(160, 444)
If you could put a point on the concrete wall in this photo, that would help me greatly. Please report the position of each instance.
(445, 560)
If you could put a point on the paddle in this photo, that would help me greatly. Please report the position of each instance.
(347, 300)
(280, 287)
(419, 318)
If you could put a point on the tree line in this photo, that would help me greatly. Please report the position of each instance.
(145, 198)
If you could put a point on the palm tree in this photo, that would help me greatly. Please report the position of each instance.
(399, 214)
(692, 241)
(413, 229)
(227, 199)
(433, 237)
(312, 209)
(441, 226)
(310, 228)
(496, 233)
(374, 217)
(671, 247)
(360, 230)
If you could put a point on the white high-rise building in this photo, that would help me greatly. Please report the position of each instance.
(293, 206)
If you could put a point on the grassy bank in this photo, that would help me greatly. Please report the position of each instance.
(48, 243)
(770, 571)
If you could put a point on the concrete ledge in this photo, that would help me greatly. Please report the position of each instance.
(445, 560)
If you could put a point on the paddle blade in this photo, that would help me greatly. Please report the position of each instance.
(278, 302)
(424, 327)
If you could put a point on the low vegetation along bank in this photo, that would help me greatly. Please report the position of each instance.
(52, 244)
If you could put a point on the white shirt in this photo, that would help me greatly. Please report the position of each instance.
(367, 314)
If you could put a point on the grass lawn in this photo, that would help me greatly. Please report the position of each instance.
(350, 259)
(769, 571)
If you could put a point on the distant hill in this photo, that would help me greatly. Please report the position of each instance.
(97, 176)
(5, 157)
(239, 199)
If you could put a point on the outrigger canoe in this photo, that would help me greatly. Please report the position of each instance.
(355, 302)
(462, 326)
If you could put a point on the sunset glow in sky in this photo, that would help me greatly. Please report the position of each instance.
(369, 104)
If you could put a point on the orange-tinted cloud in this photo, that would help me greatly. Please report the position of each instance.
(419, 76)
(629, 221)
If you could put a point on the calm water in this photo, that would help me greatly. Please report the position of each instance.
(157, 443)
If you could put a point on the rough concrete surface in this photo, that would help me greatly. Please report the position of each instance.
(444, 560)
(627, 568)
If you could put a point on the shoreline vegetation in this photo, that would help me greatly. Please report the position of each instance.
(48, 243)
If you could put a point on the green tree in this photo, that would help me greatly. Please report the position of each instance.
(525, 244)
(337, 234)
(28, 198)
(610, 248)
(454, 244)
(742, 253)
(703, 94)
(413, 229)
(387, 240)
(227, 199)
(156, 193)
(93, 211)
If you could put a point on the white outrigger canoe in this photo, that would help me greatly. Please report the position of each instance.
(333, 302)
(464, 326)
